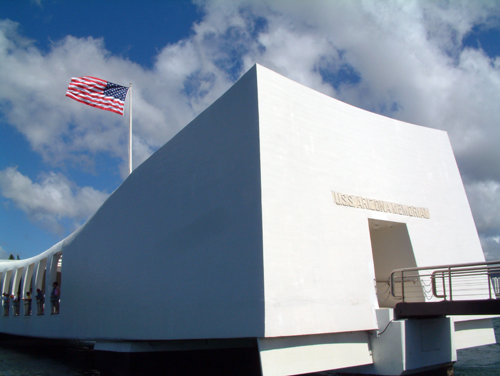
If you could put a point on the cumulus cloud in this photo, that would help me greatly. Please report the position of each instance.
(3, 254)
(484, 198)
(51, 200)
(405, 60)
(401, 59)
(491, 247)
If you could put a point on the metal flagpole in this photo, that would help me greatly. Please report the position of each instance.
(130, 132)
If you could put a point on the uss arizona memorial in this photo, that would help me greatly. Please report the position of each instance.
(274, 220)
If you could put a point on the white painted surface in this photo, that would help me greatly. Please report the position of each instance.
(230, 230)
(318, 263)
(388, 348)
(391, 246)
(406, 345)
(313, 353)
(176, 250)
(473, 332)
(318, 268)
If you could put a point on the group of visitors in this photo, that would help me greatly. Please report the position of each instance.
(15, 303)
(40, 301)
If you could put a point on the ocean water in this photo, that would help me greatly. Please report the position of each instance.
(19, 356)
(480, 361)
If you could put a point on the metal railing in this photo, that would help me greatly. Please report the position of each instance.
(496, 285)
(446, 282)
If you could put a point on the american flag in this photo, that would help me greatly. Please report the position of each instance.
(98, 93)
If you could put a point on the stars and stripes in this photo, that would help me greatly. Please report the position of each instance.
(98, 93)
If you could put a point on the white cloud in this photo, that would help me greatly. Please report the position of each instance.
(402, 59)
(484, 198)
(52, 200)
(491, 247)
(3, 254)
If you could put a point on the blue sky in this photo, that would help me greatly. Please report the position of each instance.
(435, 64)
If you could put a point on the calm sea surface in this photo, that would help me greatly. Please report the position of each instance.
(52, 358)
(480, 361)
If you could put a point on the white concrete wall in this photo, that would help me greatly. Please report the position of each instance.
(409, 345)
(34, 276)
(176, 250)
(313, 353)
(230, 230)
(391, 247)
(472, 331)
(318, 268)
(318, 265)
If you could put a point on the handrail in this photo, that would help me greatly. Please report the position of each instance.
(447, 266)
(454, 281)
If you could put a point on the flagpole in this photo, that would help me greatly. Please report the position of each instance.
(130, 133)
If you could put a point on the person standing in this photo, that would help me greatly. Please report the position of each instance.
(15, 304)
(40, 300)
(5, 301)
(27, 304)
(54, 298)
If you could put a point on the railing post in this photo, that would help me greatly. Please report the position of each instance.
(460, 272)
(489, 282)
(433, 280)
(402, 286)
(392, 284)
(444, 285)
(449, 279)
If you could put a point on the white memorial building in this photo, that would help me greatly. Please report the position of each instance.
(271, 220)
